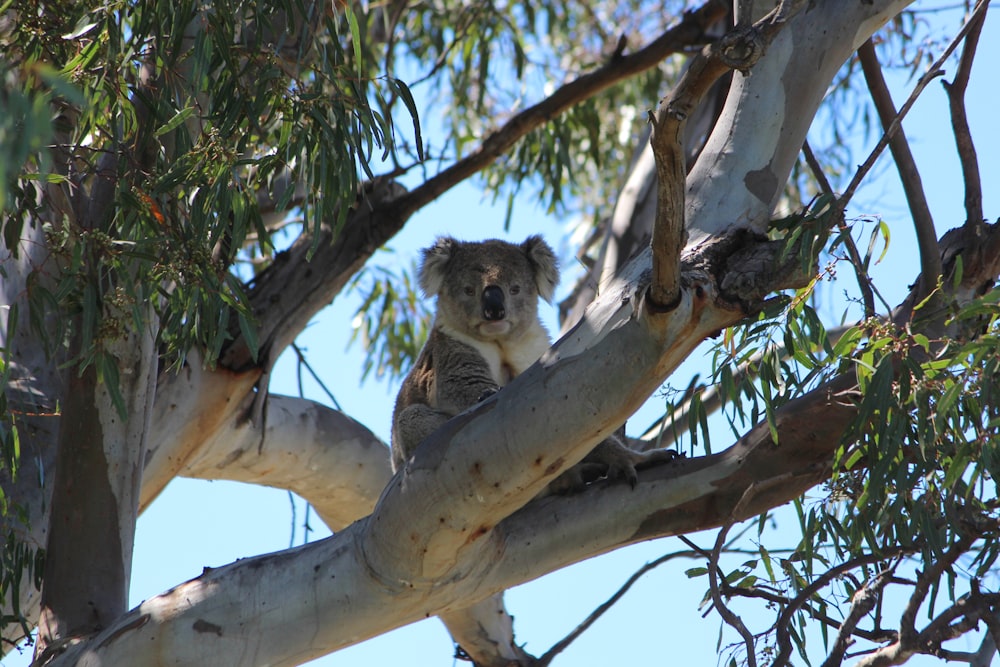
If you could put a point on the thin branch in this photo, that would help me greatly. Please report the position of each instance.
(562, 644)
(713, 581)
(302, 361)
(864, 601)
(907, 630)
(783, 638)
(930, 254)
(960, 125)
(687, 32)
(864, 282)
(932, 73)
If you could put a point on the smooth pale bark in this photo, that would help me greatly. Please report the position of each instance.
(407, 560)
(323, 596)
(332, 461)
(739, 176)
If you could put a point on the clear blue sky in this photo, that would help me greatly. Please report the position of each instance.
(194, 524)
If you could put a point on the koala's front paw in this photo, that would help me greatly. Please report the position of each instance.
(621, 462)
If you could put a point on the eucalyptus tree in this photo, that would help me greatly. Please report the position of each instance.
(154, 152)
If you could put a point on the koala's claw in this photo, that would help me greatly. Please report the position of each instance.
(487, 393)
(622, 462)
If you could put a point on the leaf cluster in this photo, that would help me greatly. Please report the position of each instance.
(191, 125)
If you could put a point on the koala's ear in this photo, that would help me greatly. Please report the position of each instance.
(432, 266)
(545, 265)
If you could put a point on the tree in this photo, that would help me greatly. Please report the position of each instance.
(157, 153)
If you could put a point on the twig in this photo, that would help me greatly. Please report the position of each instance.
(561, 645)
(923, 222)
(863, 602)
(305, 362)
(783, 639)
(864, 283)
(960, 125)
(907, 629)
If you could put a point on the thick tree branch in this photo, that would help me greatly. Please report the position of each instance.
(329, 459)
(348, 586)
(280, 312)
(732, 187)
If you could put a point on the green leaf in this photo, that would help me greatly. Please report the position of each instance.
(352, 21)
(107, 368)
(174, 122)
(411, 107)
(249, 332)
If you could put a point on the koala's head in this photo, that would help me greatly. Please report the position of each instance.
(489, 289)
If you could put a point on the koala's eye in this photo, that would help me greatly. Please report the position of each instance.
(515, 289)
(469, 291)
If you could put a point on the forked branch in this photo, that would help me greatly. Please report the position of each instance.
(960, 124)
(740, 49)
(930, 256)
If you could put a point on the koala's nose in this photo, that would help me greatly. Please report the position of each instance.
(493, 303)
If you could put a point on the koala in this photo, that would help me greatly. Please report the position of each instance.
(486, 331)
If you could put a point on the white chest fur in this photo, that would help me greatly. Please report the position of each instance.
(508, 358)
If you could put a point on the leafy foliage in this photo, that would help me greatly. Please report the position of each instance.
(391, 323)
(191, 125)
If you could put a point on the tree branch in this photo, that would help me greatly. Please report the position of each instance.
(960, 123)
(690, 29)
(923, 222)
(932, 73)
(863, 602)
(927, 578)
(739, 49)
(727, 614)
(864, 282)
(560, 646)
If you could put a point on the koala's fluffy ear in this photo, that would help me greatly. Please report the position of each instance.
(432, 266)
(543, 262)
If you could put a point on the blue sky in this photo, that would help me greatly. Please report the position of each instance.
(195, 524)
